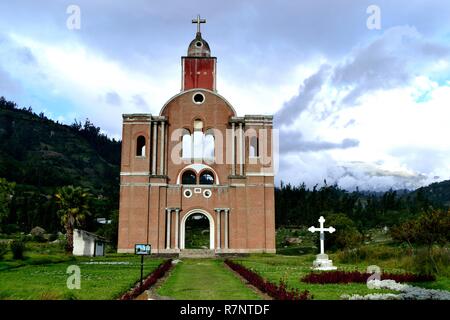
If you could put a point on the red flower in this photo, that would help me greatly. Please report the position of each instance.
(148, 282)
(360, 277)
(278, 292)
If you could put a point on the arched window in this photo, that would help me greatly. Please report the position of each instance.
(198, 139)
(208, 145)
(198, 125)
(186, 145)
(140, 146)
(207, 177)
(253, 147)
(189, 177)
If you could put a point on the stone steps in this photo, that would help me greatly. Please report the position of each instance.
(197, 253)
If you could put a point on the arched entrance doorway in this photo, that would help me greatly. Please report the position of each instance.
(196, 232)
(196, 219)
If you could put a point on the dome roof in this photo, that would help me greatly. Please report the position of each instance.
(199, 47)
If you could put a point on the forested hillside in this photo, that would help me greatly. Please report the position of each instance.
(438, 192)
(298, 205)
(39, 155)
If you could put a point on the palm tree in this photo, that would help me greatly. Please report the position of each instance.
(73, 203)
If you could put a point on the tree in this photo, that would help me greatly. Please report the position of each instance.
(111, 231)
(431, 228)
(405, 232)
(346, 235)
(73, 204)
(6, 195)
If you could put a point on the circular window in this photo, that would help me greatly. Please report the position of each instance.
(198, 98)
(187, 193)
(207, 193)
(198, 44)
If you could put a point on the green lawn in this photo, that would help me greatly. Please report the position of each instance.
(208, 279)
(42, 275)
(101, 278)
(36, 254)
(292, 268)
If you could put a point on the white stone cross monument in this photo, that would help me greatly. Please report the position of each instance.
(322, 262)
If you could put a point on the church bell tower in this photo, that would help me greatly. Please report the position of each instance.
(198, 67)
(197, 161)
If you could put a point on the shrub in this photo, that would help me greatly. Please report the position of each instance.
(431, 228)
(405, 232)
(10, 228)
(296, 251)
(62, 242)
(350, 256)
(17, 248)
(371, 254)
(278, 292)
(435, 262)
(361, 277)
(25, 237)
(3, 248)
(148, 282)
(110, 230)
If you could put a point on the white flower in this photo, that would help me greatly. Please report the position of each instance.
(387, 284)
(407, 292)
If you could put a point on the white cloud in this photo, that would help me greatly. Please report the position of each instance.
(99, 88)
(399, 118)
(375, 118)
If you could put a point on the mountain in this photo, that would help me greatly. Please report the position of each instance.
(438, 193)
(40, 152)
(40, 155)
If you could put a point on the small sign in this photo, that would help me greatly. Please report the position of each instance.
(142, 249)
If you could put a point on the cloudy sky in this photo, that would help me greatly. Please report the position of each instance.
(356, 106)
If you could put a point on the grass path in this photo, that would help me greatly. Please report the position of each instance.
(205, 279)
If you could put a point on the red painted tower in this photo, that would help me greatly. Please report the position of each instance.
(198, 67)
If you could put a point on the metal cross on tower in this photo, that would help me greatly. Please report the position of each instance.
(198, 21)
(322, 233)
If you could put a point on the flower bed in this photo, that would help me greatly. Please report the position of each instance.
(407, 292)
(278, 292)
(148, 282)
(361, 277)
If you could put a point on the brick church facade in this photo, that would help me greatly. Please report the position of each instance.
(197, 157)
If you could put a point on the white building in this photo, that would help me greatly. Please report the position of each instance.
(88, 244)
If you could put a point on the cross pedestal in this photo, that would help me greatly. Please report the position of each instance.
(322, 262)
